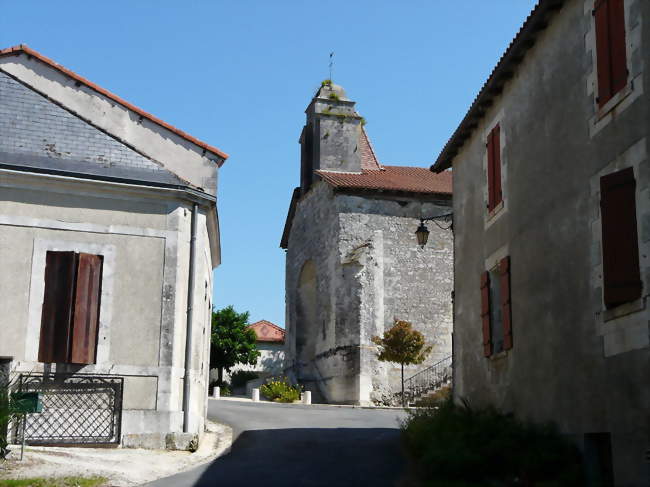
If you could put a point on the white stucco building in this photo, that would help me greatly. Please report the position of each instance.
(108, 237)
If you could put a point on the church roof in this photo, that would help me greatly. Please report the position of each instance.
(392, 178)
(267, 331)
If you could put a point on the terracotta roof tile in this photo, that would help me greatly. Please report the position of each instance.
(392, 178)
(267, 331)
(22, 48)
(368, 158)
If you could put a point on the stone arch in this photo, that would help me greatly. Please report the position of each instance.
(306, 313)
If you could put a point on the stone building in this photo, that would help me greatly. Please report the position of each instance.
(108, 238)
(552, 232)
(353, 265)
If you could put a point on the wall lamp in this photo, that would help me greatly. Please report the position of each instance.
(422, 233)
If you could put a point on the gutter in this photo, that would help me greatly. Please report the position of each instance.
(190, 316)
(191, 193)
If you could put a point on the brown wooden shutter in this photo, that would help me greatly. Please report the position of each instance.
(490, 170)
(506, 310)
(611, 58)
(485, 313)
(496, 147)
(603, 61)
(86, 309)
(621, 272)
(617, 45)
(56, 318)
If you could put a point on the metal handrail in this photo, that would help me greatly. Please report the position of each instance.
(429, 379)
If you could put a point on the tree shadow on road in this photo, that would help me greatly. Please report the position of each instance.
(310, 457)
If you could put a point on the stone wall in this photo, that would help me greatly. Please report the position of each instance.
(570, 363)
(369, 272)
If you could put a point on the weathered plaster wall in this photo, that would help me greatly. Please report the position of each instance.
(369, 272)
(142, 316)
(566, 364)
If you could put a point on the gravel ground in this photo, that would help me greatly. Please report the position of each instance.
(124, 467)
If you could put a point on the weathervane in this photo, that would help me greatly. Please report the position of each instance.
(331, 64)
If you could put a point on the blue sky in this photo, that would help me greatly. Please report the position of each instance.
(239, 74)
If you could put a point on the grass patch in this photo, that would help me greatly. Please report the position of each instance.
(455, 445)
(55, 482)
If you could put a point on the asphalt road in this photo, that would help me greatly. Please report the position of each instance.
(295, 445)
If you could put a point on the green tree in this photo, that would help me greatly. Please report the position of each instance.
(231, 342)
(403, 345)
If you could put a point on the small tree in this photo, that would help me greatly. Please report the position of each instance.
(403, 345)
(231, 342)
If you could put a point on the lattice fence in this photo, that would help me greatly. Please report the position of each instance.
(77, 409)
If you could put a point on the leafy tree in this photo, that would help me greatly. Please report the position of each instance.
(403, 345)
(231, 342)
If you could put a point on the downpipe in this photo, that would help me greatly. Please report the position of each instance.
(190, 315)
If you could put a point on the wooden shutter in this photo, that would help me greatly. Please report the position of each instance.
(86, 309)
(611, 58)
(617, 45)
(621, 272)
(490, 171)
(506, 311)
(57, 313)
(485, 313)
(496, 147)
(494, 167)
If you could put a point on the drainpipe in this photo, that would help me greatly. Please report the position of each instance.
(188, 340)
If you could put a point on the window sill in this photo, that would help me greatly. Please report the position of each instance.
(495, 357)
(603, 111)
(494, 212)
(624, 310)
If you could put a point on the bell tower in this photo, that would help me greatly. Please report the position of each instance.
(331, 135)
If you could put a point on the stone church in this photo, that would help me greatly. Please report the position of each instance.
(353, 264)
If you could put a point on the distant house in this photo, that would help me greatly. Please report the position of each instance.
(270, 344)
(552, 232)
(108, 237)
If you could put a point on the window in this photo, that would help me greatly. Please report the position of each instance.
(495, 309)
(609, 19)
(621, 271)
(494, 167)
(70, 316)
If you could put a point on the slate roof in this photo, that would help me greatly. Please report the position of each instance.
(537, 20)
(267, 332)
(22, 48)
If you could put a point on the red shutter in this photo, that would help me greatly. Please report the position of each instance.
(485, 313)
(617, 45)
(603, 60)
(496, 147)
(621, 272)
(490, 170)
(56, 317)
(506, 311)
(611, 58)
(86, 309)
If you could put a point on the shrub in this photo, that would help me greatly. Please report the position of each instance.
(458, 445)
(240, 377)
(436, 398)
(280, 390)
